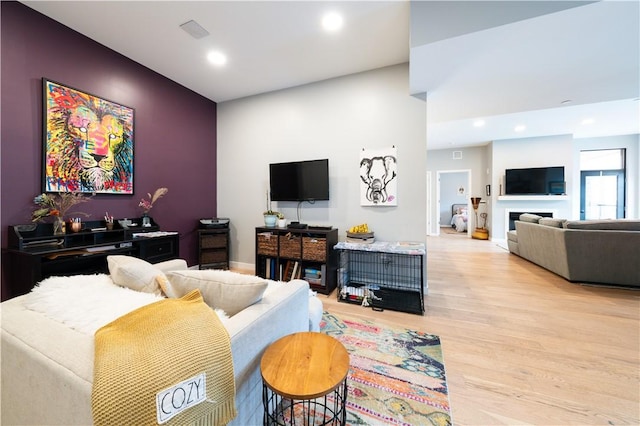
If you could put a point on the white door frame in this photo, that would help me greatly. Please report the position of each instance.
(429, 206)
(466, 196)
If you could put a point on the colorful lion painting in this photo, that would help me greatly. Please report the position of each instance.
(88, 143)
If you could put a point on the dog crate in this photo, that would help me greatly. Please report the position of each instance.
(382, 275)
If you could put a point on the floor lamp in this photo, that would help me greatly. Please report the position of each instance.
(479, 233)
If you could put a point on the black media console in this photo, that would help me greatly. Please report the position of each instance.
(35, 253)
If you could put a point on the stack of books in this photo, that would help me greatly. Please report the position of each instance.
(314, 276)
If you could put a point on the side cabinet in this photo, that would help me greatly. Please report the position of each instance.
(213, 248)
(286, 254)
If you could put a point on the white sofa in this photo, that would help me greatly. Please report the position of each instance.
(47, 367)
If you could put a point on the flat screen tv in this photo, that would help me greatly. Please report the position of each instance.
(299, 180)
(535, 181)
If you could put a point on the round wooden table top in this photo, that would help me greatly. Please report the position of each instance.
(304, 365)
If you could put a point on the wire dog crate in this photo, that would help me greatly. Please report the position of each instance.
(383, 275)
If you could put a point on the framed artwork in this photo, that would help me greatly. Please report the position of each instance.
(378, 177)
(88, 142)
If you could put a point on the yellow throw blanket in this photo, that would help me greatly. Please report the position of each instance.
(153, 364)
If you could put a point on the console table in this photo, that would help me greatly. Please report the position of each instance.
(35, 253)
(383, 274)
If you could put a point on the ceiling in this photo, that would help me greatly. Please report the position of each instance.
(506, 62)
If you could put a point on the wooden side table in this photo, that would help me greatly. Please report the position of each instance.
(304, 378)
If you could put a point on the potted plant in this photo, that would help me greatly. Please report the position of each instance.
(270, 216)
(282, 222)
(147, 204)
(57, 206)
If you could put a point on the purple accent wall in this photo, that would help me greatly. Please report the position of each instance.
(175, 128)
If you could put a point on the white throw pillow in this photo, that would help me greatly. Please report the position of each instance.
(226, 290)
(134, 273)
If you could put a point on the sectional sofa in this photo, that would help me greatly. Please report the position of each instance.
(593, 251)
(47, 365)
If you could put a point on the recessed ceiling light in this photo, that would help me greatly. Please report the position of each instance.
(332, 21)
(588, 121)
(217, 58)
(520, 128)
(478, 123)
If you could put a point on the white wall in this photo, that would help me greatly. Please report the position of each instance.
(532, 152)
(332, 119)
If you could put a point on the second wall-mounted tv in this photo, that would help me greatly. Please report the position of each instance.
(299, 180)
(535, 181)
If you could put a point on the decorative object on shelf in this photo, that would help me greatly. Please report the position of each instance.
(57, 206)
(59, 227)
(360, 234)
(147, 204)
(270, 220)
(127, 223)
(75, 224)
(282, 222)
(479, 233)
(108, 220)
(105, 132)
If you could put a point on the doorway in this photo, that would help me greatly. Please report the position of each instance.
(602, 184)
(453, 187)
(602, 194)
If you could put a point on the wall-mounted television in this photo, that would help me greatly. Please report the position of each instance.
(535, 181)
(299, 180)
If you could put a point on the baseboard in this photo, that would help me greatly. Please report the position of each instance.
(242, 266)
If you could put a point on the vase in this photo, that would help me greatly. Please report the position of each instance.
(282, 223)
(270, 220)
(59, 227)
(146, 220)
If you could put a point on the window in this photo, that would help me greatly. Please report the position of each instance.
(602, 184)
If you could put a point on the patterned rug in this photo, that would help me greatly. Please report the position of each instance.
(396, 375)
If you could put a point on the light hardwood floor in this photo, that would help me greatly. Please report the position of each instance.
(522, 345)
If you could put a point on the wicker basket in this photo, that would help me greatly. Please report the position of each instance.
(213, 241)
(290, 246)
(267, 244)
(314, 249)
(217, 256)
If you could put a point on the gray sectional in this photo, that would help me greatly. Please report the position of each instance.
(588, 251)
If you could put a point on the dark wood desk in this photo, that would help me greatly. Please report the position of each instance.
(35, 253)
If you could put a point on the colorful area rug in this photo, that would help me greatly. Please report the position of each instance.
(396, 375)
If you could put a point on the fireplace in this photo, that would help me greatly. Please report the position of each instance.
(511, 215)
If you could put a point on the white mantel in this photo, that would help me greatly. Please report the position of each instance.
(533, 198)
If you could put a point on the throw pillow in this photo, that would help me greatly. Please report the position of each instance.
(134, 273)
(549, 221)
(226, 290)
(530, 217)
